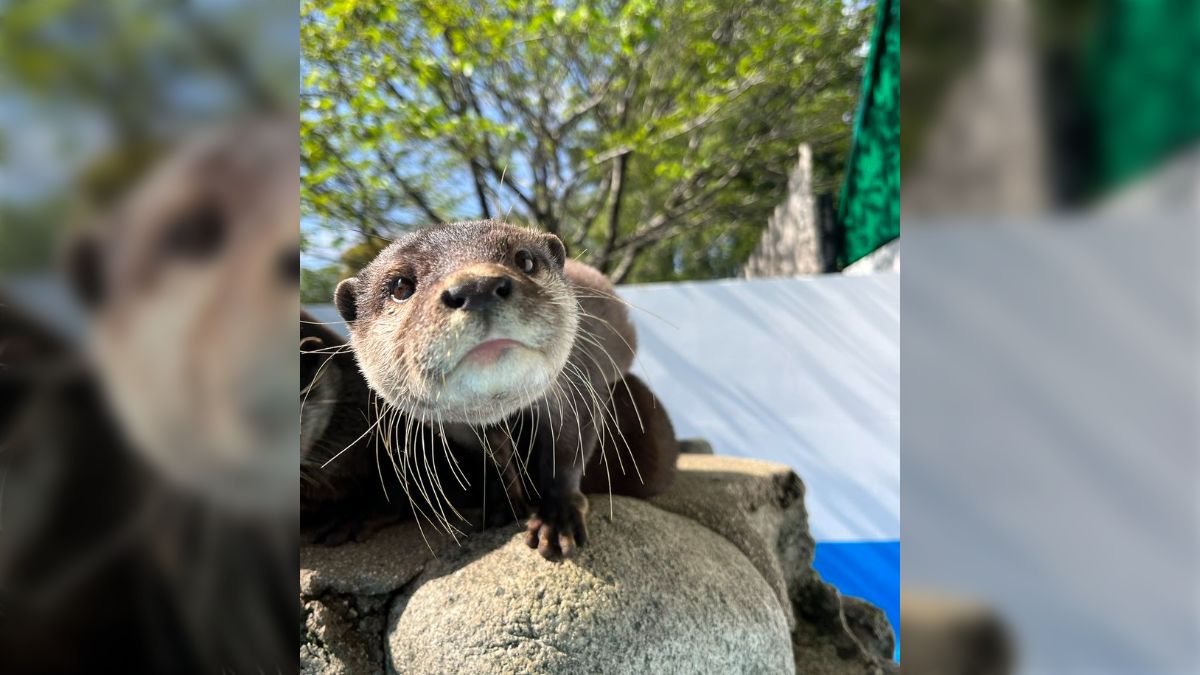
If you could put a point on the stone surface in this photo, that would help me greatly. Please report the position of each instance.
(759, 507)
(713, 576)
(343, 636)
(870, 625)
(346, 592)
(793, 243)
(652, 593)
(381, 565)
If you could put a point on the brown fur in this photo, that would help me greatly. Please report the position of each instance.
(334, 412)
(192, 285)
(644, 424)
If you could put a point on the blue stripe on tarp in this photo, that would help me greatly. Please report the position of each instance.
(865, 569)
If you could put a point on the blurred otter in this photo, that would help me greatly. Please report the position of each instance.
(334, 416)
(489, 334)
(150, 519)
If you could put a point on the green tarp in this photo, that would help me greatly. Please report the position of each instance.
(869, 207)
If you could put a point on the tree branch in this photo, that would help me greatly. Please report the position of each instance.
(408, 189)
(614, 210)
(686, 128)
(405, 186)
(592, 212)
(626, 266)
(480, 187)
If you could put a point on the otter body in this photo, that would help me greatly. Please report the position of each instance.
(335, 404)
(489, 334)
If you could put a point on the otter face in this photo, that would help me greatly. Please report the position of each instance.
(467, 322)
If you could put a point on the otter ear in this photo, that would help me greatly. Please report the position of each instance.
(82, 260)
(345, 298)
(558, 251)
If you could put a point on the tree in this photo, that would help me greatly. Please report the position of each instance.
(653, 137)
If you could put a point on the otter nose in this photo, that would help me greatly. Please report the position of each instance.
(478, 293)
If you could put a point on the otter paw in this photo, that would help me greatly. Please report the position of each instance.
(558, 526)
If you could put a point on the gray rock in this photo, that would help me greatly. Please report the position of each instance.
(652, 593)
(379, 566)
(870, 625)
(346, 592)
(695, 446)
(342, 636)
(759, 507)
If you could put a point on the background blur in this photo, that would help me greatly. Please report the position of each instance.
(94, 93)
(143, 522)
(1050, 442)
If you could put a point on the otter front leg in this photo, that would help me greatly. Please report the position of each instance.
(559, 523)
(508, 501)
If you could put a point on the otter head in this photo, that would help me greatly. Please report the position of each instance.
(466, 322)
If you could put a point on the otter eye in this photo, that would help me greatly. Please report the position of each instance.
(403, 288)
(525, 261)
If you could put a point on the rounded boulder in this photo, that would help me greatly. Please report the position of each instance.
(652, 592)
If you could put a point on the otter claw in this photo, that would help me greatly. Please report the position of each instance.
(558, 527)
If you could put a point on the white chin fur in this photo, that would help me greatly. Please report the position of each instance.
(484, 394)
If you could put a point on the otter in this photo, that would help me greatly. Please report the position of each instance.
(489, 333)
(353, 480)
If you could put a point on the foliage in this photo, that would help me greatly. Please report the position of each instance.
(653, 137)
(317, 285)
